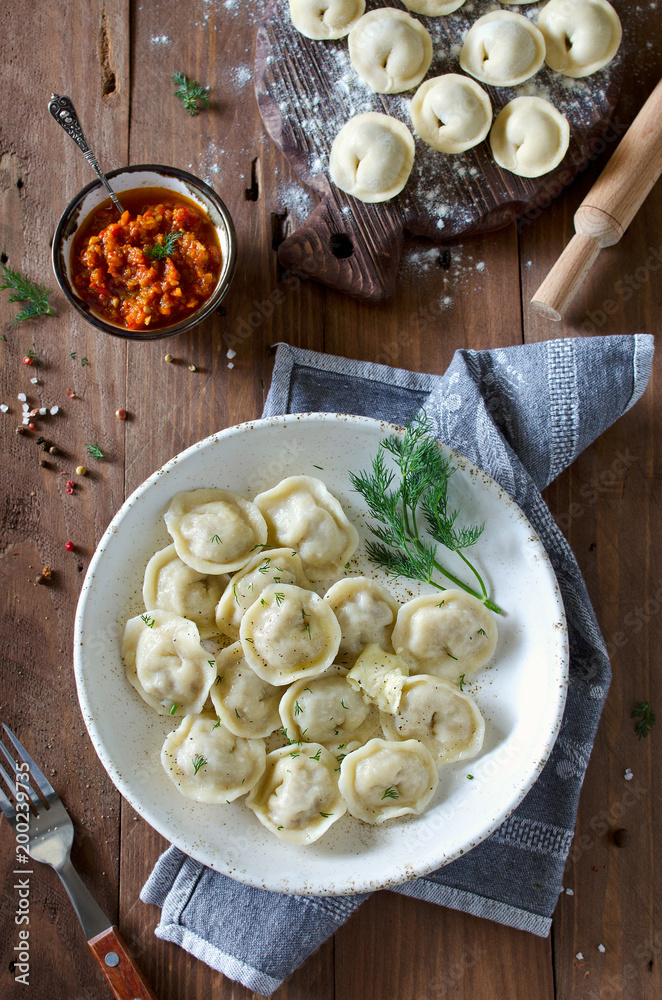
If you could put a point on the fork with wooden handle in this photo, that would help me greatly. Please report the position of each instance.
(50, 833)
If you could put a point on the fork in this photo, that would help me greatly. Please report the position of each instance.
(50, 836)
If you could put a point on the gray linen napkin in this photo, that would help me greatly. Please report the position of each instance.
(522, 414)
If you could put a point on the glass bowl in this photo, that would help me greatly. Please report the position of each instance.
(146, 175)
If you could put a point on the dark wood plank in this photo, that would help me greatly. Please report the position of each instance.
(607, 503)
(425, 952)
(170, 407)
(46, 47)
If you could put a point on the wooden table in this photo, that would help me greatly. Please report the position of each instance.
(115, 59)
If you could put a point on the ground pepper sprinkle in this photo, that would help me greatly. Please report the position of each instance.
(151, 268)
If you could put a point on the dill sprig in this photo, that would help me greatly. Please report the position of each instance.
(643, 712)
(198, 761)
(191, 93)
(394, 501)
(21, 289)
(94, 451)
(165, 248)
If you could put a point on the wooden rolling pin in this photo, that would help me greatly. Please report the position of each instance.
(608, 208)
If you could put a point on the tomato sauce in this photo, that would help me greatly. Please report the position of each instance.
(151, 268)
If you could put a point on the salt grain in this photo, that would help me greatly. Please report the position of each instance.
(160, 40)
(601, 948)
(231, 354)
(480, 266)
(579, 956)
(54, 410)
(42, 411)
(230, 364)
(4, 407)
(35, 381)
(570, 892)
(22, 396)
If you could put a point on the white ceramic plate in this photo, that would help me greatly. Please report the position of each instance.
(521, 694)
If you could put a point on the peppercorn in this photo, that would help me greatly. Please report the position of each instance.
(168, 358)
(44, 445)
(193, 368)
(44, 464)
(620, 837)
(80, 470)
(32, 427)
(69, 489)
(120, 414)
(20, 430)
(53, 450)
(40, 440)
(69, 546)
(70, 482)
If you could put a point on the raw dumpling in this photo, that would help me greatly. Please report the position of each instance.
(502, 49)
(173, 586)
(298, 797)
(210, 764)
(529, 137)
(267, 567)
(385, 779)
(324, 710)
(214, 531)
(435, 8)
(245, 704)
(166, 664)
(366, 613)
(372, 156)
(380, 676)
(451, 113)
(438, 714)
(581, 37)
(302, 514)
(289, 633)
(390, 50)
(445, 634)
(324, 19)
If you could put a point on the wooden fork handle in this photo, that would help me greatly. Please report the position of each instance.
(124, 977)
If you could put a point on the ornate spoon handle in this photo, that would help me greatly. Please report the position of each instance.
(65, 115)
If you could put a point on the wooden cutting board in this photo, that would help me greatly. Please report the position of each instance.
(307, 90)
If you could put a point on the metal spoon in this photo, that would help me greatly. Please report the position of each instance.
(65, 115)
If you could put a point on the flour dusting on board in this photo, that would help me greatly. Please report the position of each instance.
(313, 90)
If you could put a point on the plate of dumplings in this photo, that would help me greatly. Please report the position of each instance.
(282, 709)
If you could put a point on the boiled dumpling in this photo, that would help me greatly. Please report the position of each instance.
(434, 8)
(438, 714)
(166, 663)
(380, 676)
(297, 797)
(581, 37)
(325, 19)
(529, 137)
(173, 586)
(366, 612)
(451, 113)
(372, 156)
(301, 513)
(445, 634)
(267, 567)
(214, 531)
(210, 764)
(324, 710)
(385, 779)
(502, 49)
(289, 633)
(390, 50)
(245, 704)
